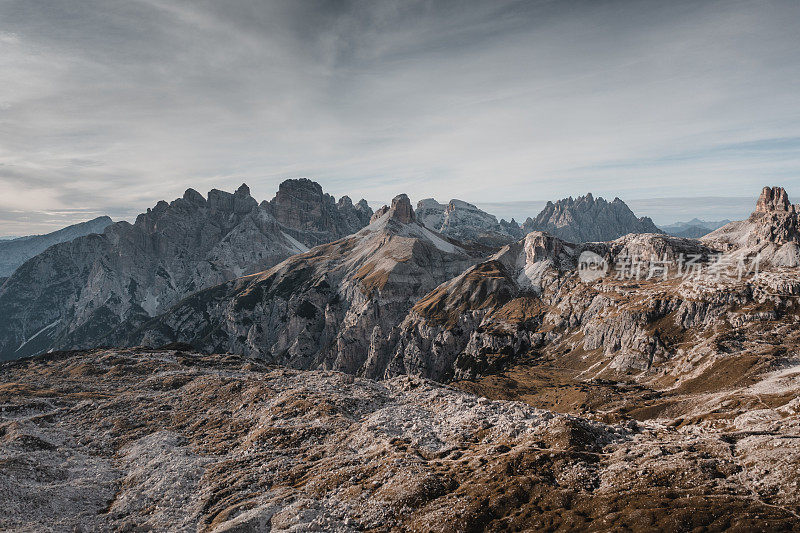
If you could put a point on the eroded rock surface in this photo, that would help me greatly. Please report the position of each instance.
(772, 232)
(169, 440)
(465, 222)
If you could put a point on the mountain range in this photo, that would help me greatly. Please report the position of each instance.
(693, 229)
(84, 292)
(395, 377)
(145, 282)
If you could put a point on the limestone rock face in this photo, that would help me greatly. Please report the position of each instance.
(587, 219)
(465, 222)
(529, 297)
(773, 199)
(402, 210)
(96, 288)
(772, 231)
(333, 307)
(430, 213)
(15, 252)
(313, 216)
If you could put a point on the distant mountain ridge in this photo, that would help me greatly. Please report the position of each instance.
(81, 292)
(586, 219)
(14, 252)
(693, 229)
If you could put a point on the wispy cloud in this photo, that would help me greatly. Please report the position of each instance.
(106, 103)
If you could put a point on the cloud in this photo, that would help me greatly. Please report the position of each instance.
(108, 103)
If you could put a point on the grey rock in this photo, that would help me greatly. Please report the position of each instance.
(465, 222)
(314, 217)
(334, 307)
(772, 231)
(94, 289)
(587, 219)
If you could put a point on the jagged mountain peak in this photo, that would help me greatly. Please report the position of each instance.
(774, 199)
(194, 197)
(400, 210)
(313, 216)
(331, 307)
(772, 230)
(243, 190)
(83, 291)
(589, 219)
(220, 204)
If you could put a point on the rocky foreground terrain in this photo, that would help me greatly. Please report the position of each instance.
(135, 440)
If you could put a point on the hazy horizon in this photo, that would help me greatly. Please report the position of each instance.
(108, 106)
(670, 210)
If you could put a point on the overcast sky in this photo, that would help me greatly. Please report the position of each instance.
(107, 106)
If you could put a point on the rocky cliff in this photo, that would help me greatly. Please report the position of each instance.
(332, 307)
(314, 217)
(587, 219)
(94, 288)
(369, 304)
(529, 296)
(465, 222)
(772, 231)
(15, 252)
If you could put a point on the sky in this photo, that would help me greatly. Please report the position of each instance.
(682, 109)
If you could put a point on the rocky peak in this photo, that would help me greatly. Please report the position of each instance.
(313, 216)
(363, 206)
(239, 202)
(194, 197)
(775, 218)
(588, 219)
(774, 199)
(379, 213)
(344, 202)
(400, 210)
(243, 191)
(772, 230)
(540, 246)
(465, 222)
(430, 213)
(460, 204)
